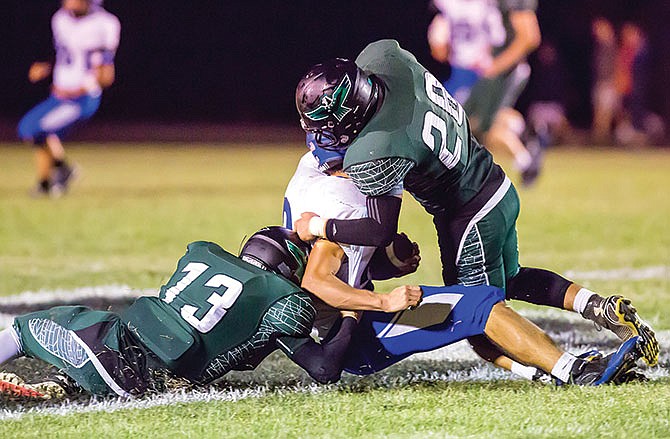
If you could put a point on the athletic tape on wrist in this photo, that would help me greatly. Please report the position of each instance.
(317, 226)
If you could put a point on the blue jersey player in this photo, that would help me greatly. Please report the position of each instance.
(85, 39)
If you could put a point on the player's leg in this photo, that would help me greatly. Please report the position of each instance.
(446, 314)
(505, 135)
(474, 256)
(616, 313)
(483, 103)
(529, 344)
(30, 130)
(63, 173)
(92, 347)
(460, 83)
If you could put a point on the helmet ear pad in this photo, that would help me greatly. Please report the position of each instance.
(279, 250)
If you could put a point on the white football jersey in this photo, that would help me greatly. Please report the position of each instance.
(310, 190)
(474, 27)
(82, 43)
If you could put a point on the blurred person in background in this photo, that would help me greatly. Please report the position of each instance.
(637, 125)
(85, 38)
(605, 96)
(486, 43)
(548, 92)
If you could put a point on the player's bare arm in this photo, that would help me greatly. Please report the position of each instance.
(527, 38)
(105, 75)
(439, 35)
(321, 280)
(38, 71)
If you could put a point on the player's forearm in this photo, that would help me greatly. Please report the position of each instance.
(512, 56)
(377, 230)
(341, 295)
(105, 75)
(39, 71)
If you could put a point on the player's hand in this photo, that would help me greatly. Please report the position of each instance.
(402, 298)
(303, 228)
(406, 254)
(38, 71)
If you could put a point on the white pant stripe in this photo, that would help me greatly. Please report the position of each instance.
(490, 204)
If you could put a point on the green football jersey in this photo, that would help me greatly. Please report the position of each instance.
(212, 304)
(419, 136)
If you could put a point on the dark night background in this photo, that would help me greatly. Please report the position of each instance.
(239, 61)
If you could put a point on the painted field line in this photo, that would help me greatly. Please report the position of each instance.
(73, 295)
(458, 363)
(625, 273)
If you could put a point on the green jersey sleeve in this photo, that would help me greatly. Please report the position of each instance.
(380, 177)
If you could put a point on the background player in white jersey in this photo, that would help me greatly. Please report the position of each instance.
(85, 38)
(340, 276)
(464, 34)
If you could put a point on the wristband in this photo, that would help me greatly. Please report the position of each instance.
(317, 226)
(390, 254)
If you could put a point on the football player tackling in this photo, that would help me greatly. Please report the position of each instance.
(340, 276)
(398, 128)
(216, 313)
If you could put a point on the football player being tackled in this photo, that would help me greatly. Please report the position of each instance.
(397, 128)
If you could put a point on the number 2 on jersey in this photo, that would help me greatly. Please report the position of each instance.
(435, 130)
(220, 302)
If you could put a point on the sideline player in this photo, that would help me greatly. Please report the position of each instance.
(398, 127)
(340, 276)
(85, 39)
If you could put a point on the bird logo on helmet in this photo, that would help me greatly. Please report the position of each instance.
(279, 250)
(333, 105)
(335, 101)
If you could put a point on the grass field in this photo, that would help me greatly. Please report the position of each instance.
(599, 215)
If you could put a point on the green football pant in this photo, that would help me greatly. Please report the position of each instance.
(92, 347)
(480, 246)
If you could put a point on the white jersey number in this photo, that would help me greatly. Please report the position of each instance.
(435, 132)
(220, 302)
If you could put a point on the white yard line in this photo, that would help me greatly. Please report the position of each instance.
(458, 353)
(74, 294)
(626, 273)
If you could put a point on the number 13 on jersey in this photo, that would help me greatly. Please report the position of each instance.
(220, 303)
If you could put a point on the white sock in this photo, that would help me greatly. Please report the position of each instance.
(10, 345)
(527, 372)
(581, 299)
(563, 367)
